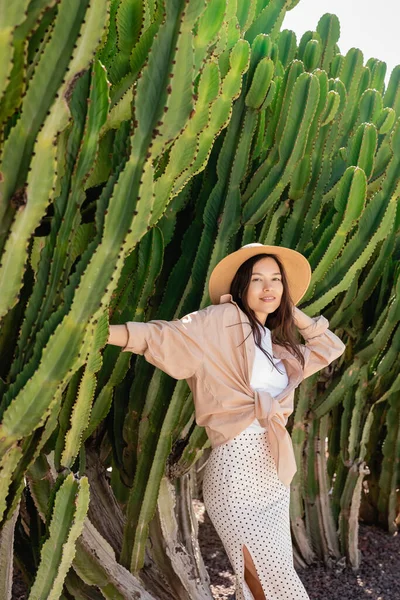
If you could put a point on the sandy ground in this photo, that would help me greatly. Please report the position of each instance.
(377, 579)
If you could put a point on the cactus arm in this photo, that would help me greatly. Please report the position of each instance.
(385, 121)
(227, 38)
(32, 313)
(305, 94)
(287, 47)
(352, 74)
(13, 94)
(390, 472)
(94, 560)
(230, 218)
(357, 414)
(98, 103)
(6, 556)
(392, 94)
(382, 231)
(334, 395)
(121, 111)
(65, 416)
(387, 320)
(58, 551)
(39, 97)
(9, 462)
(314, 197)
(299, 437)
(370, 109)
(108, 46)
(220, 112)
(208, 28)
(31, 448)
(378, 70)
(386, 363)
(104, 399)
(137, 59)
(139, 516)
(374, 225)
(12, 14)
(129, 22)
(364, 291)
(269, 232)
(41, 178)
(331, 109)
(260, 83)
(312, 55)
(350, 201)
(246, 12)
(328, 29)
(268, 20)
(179, 100)
(362, 148)
(82, 407)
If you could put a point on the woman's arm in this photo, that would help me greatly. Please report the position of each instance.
(301, 320)
(118, 335)
(176, 347)
(322, 346)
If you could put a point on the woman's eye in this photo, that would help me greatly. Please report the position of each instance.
(259, 279)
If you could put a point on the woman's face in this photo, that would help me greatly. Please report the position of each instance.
(265, 282)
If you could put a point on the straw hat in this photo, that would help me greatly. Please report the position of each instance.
(297, 269)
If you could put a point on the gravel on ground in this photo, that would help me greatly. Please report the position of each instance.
(378, 577)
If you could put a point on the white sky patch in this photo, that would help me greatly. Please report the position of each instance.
(371, 26)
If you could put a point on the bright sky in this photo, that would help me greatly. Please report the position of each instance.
(371, 26)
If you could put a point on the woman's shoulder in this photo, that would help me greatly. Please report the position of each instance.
(218, 311)
(216, 315)
(212, 313)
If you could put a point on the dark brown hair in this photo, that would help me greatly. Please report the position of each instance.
(280, 322)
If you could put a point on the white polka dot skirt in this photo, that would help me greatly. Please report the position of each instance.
(249, 505)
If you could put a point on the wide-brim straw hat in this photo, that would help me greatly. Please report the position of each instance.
(297, 269)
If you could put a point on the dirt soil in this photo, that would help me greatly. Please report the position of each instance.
(378, 577)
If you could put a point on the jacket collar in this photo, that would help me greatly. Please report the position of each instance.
(292, 365)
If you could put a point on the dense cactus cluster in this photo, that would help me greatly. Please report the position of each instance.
(141, 141)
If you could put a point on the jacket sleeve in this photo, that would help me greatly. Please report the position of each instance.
(176, 347)
(321, 347)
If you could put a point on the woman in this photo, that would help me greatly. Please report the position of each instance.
(242, 361)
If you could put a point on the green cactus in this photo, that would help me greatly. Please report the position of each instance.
(141, 142)
(58, 551)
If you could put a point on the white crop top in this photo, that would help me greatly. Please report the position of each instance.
(265, 376)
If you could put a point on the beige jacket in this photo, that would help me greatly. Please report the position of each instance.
(204, 348)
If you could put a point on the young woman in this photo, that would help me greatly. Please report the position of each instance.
(241, 358)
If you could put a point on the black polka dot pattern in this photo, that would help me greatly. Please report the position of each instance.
(249, 505)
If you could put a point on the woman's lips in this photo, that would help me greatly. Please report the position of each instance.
(272, 300)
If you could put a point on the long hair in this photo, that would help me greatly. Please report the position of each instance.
(280, 322)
